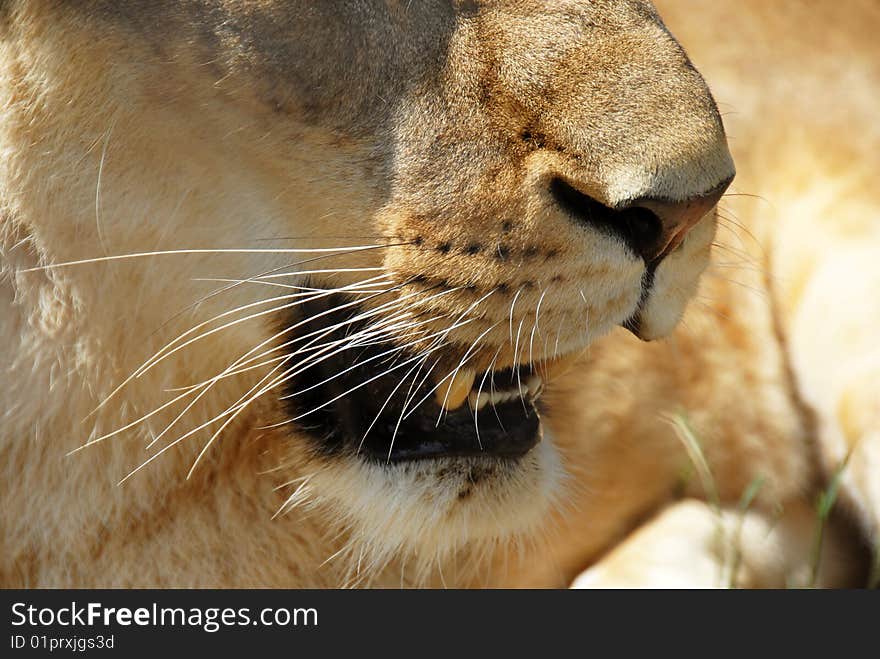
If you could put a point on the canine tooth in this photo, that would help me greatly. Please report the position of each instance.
(452, 393)
(478, 401)
(534, 384)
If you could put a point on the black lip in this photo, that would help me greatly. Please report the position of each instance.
(363, 420)
(634, 322)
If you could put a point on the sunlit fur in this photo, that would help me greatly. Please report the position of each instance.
(181, 129)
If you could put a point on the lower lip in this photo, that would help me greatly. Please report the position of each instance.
(508, 431)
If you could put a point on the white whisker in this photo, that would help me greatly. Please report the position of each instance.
(152, 361)
(461, 363)
(179, 252)
(535, 327)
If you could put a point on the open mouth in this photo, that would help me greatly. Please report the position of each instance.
(375, 398)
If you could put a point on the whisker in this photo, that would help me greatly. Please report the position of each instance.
(512, 304)
(226, 374)
(400, 419)
(294, 499)
(414, 390)
(535, 327)
(96, 440)
(438, 344)
(224, 289)
(516, 359)
(716, 275)
(152, 361)
(743, 254)
(159, 356)
(379, 414)
(376, 311)
(179, 252)
(262, 282)
(322, 237)
(208, 384)
(492, 385)
(346, 343)
(463, 314)
(586, 317)
(461, 363)
(345, 393)
(477, 408)
(395, 350)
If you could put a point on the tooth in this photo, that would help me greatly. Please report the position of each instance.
(478, 401)
(551, 369)
(452, 393)
(501, 397)
(534, 384)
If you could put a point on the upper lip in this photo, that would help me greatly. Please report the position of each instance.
(395, 409)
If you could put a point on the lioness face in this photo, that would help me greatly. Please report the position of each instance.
(503, 182)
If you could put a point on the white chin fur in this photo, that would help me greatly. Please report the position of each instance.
(427, 510)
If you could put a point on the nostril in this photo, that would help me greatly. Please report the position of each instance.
(640, 228)
(644, 230)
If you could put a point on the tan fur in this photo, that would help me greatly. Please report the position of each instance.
(433, 132)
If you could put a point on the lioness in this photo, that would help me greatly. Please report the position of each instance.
(316, 294)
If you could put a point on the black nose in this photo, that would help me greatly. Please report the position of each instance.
(652, 228)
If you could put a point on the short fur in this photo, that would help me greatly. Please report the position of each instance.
(432, 130)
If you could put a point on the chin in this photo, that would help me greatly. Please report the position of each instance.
(411, 455)
(424, 511)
